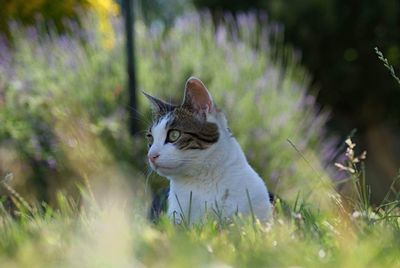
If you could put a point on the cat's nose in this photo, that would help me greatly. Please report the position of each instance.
(153, 157)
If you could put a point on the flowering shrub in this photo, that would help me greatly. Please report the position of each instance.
(64, 110)
(54, 13)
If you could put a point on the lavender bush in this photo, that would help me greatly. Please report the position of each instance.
(63, 108)
(269, 110)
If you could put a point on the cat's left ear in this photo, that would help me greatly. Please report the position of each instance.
(197, 97)
(160, 107)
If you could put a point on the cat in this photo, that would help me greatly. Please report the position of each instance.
(191, 145)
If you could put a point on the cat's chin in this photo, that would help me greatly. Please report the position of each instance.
(165, 171)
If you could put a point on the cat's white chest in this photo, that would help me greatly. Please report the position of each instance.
(222, 197)
(191, 202)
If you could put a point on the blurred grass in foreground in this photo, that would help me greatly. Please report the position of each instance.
(116, 234)
(63, 116)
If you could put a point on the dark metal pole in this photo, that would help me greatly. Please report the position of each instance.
(130, 58)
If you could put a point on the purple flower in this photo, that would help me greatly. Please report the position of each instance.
(52, 163)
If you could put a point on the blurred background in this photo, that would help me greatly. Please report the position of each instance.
(282, 70)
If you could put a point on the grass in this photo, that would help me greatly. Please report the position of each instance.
(115, 233)
(62, 109)
(387, 65)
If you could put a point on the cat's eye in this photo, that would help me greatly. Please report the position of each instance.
(149, 139)
(173, 135)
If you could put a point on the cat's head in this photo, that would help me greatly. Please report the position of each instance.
(183, 137)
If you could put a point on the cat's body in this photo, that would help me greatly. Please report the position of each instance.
(207, 169)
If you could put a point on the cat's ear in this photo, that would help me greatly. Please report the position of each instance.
(159, 107)
(197, 97)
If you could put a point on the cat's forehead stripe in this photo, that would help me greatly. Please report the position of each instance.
(162, 120)
(197, 133)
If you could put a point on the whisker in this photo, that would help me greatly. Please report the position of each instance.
(136, 110)
(140, 116)
(143, 131)
(146, 184)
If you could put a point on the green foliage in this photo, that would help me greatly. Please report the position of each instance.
(27, 12)
(64, 121)
(61, 111)
(52, 13)
(64, 105)
(336, 40)
(161, 13)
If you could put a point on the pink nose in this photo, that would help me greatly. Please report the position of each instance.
(153, 157)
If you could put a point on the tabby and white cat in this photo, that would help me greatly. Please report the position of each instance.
(192, 146)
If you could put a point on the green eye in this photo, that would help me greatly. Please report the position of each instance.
(173, 135)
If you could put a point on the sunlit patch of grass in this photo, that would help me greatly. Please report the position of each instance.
(115, 233)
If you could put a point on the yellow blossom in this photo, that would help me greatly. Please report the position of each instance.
(105, 9)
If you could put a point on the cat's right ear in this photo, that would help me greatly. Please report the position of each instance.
(159, 107)
(197, 96)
